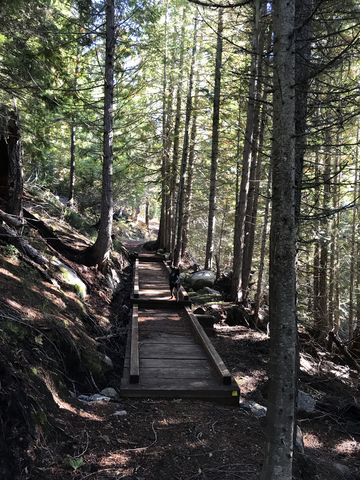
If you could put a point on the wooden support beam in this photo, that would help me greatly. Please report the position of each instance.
(134, 347)
(136, 279)
(209, 348)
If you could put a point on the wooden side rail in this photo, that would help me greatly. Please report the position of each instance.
(209, 348)
(134, 346)
(183, 295)
(136, 279)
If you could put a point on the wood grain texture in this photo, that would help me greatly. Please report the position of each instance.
(134, 373)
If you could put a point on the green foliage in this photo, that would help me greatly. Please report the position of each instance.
(74, 462)
(9, 251)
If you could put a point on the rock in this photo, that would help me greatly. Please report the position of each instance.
(112, 279)
(150, 246)
(314, 467)
(306, 403)
(299, 441)
(119, 413)
(199, 311)
(107, 360)
(201, 279)
(255, 408)
(97, 397)
(110, 392)
(343, 470)
(211, 291)
(69, 277)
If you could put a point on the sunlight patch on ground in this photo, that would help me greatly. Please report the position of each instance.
(7, 273)
(249, 384)
(348, 447)
(116, 459)
(312, 441)
(31, 313)
(55, 299)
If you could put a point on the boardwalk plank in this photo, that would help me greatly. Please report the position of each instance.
(173, 362)
(162, 350)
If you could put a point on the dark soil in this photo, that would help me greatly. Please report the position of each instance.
(158, 439)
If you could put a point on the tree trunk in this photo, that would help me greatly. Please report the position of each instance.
(282, 287)
(255, 174)
(147, 215)
(303, 34)
(176, 141)
(215, 144)
(99, 253)
(73, 134)
(352, 286)
(334, 254)
(316, 259)
(162, 234)
(357, 289)
(264, 236)
(189, 182)
(323, 327)
(184, 157)
(72, 164)
(236, 287)
(11, 174)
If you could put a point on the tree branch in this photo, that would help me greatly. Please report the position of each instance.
(217, 5)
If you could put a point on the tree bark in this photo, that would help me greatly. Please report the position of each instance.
(184, 157)
(176, 140)
(73, 134)
(215, 144)
(282, 287)
(264, 236)
(189, 181)
(166, 181)
(255, 173)
(303, 34)
(352, 286)
(99, 253)
(334, 254)
(236, 287)
(72, 164)
(11, 174)
(323, 326)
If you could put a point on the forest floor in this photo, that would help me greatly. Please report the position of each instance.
(185, 440)
(147, 439)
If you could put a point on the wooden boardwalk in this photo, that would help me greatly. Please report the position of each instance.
(168, 354)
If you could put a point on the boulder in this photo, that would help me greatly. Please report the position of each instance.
(97, 397)
(110, 392)
(256, 409)
(201, 279)
(211, 291)
(306, 403)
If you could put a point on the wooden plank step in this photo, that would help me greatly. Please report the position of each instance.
(174, 374)
(192, 389)
(167, 338)
(162, 350)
